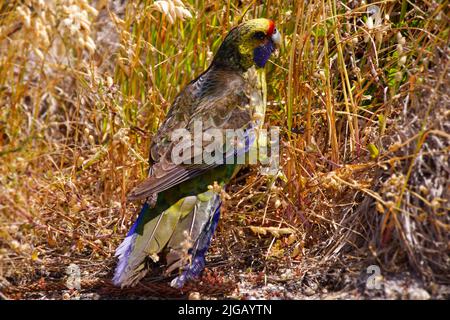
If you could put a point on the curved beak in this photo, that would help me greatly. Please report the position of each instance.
(276, 38)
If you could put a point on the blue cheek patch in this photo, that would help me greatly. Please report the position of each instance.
(262, 53)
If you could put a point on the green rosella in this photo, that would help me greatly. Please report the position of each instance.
(182, 210)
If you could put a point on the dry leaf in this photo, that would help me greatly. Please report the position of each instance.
(276, 232)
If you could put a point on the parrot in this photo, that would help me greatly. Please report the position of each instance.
(182, 201)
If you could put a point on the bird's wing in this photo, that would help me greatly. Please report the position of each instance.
(220, 100)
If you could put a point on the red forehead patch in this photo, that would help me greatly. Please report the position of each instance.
(271, 28)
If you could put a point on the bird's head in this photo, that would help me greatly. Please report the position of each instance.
(250, 43)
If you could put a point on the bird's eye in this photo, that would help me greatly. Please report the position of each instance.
(259, 35)
(274, 31)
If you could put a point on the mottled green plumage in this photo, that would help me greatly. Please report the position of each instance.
(225, 96)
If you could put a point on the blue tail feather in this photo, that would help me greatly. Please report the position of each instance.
(197, 265)
(126, 248)
(139, 219)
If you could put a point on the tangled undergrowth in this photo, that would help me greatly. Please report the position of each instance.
(359, 90)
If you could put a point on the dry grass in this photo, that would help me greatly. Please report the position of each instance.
(362, 100)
